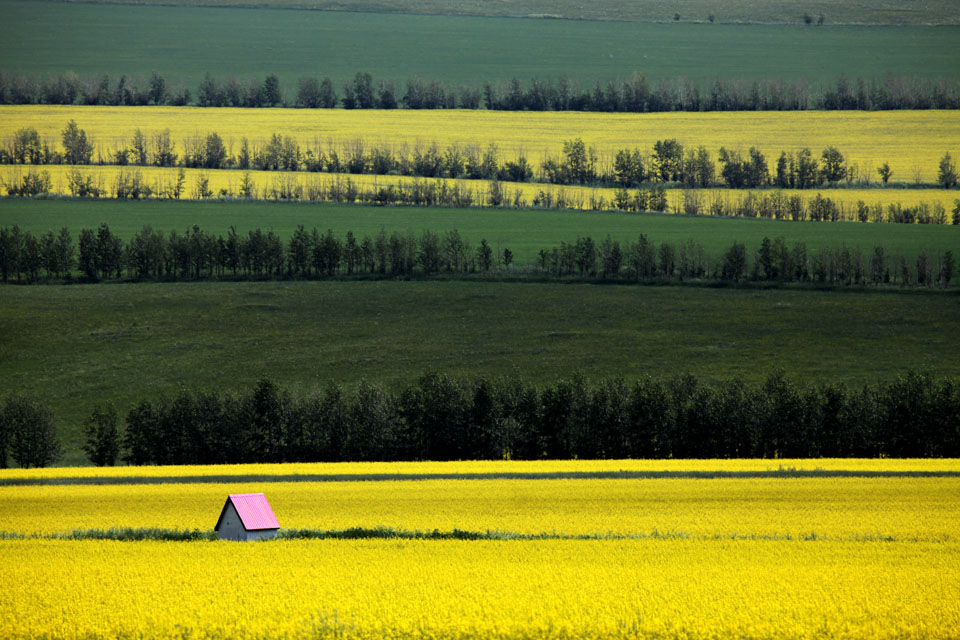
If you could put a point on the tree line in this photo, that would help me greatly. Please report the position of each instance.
(425, 192)
(150, 254)
(441, 417)
(636, 94)
(669, 162)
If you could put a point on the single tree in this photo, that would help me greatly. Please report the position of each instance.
(735, 170)
(947, 175)
(885, 172)
(699, 169)
(209, 94)
(363, 91)
(833, 169)
(27, 147)
(109, 252)
(271, 91)
(387, 96)
(76, 148)
(484, 255)
(32, 435)
(758, 175)
(668, 160)
(785, 173)
(734, 263)
(948, 268)
(328, 95)
(102, 437)
(214, 152)
(807, 170)
(580, 165)
(628, 167)
(308, 93)
(139, 148)
(158, 89)
(349, 99)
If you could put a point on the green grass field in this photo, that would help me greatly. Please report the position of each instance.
(524, 232)
(878, 12)
(77, 346)
(184, 43)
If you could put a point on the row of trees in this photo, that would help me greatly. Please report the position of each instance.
(773, 261)
(198, 254)
(777, 205)
(445, 418)
(669, 162)
(424, 192)
(695, 167)
(636, 94)
(102, 254)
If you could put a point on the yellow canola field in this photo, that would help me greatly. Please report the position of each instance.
(909, 141)
(489, 589)
(823, 557)
(495, 467)
(227, 183)
(926, 509)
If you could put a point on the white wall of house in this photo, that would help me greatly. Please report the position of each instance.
(262, 534)
(231, 528)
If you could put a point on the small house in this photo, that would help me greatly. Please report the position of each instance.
(247, 516)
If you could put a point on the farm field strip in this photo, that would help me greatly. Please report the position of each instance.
(914, 509)
(908, 140)
(184, 43)
(814, 558)
(882, 12)
(79, 346)
(455, 589)
(226, 183)
(803, 558)
(493, 468)
(525, 232)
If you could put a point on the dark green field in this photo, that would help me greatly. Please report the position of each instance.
(183, 43)
(76, 346)
(524, 232)
(874, 12)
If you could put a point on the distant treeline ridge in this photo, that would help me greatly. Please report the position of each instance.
(440, 417)
(197, 254)
(636, 94)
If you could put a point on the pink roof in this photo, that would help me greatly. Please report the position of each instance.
(254, 511)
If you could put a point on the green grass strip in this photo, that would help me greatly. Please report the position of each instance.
(130, 534)
(558, 475)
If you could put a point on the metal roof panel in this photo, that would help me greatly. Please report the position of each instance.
(254, 511)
